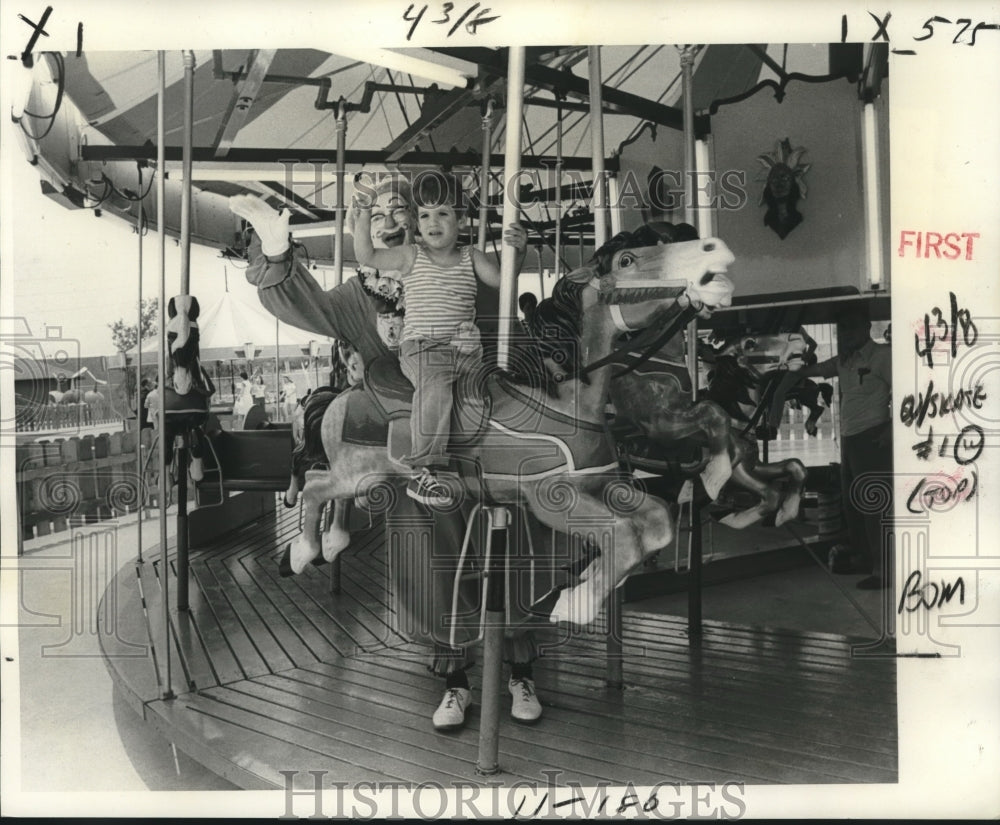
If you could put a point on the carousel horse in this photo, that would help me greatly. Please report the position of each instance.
(186, 403)
(543, 447)
(346, 370)
(662, 431)
(752, 377)
(658, 428)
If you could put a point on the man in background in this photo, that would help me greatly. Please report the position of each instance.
(864, 373)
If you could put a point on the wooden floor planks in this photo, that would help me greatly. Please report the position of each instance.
(273, 674)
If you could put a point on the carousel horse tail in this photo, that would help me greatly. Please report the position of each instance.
(826, 390)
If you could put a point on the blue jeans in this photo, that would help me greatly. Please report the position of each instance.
(432, 367)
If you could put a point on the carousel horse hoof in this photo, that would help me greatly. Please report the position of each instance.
(715, 475)
(572, 607)
(287, 503)
(789, 509)
(197, 469)
(285, 563)
(334, 542)
(540, 612)
(739, 521)
(297, 555)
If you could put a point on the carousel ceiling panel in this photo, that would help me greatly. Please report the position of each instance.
(116, 91)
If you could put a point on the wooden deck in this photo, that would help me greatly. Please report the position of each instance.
(272, 674)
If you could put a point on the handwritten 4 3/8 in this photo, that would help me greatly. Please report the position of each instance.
(446, 9)
(958, 328)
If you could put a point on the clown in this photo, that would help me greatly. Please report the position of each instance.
(366, 312)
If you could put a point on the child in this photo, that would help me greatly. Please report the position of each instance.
(439, 335)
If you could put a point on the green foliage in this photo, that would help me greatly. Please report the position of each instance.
(125, 336)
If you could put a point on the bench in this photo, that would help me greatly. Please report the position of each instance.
(255, 463)
(238, 460)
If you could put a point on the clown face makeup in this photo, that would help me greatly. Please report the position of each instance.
(392, 220)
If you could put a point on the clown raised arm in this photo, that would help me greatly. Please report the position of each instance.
(288, 290)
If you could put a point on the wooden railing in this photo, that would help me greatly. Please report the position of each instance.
(64, 416)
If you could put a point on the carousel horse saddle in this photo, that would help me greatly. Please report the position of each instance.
(384, 403)
(190, 409)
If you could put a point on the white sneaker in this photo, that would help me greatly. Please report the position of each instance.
(525, 707)
(450, 714)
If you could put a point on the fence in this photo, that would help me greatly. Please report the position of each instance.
(46, 417)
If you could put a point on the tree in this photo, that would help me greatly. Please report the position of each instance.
(126, 336)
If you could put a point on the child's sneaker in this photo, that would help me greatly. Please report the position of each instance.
(427, 489)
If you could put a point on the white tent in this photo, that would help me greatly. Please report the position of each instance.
(230, 323)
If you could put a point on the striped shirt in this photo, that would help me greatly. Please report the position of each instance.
(438, 298)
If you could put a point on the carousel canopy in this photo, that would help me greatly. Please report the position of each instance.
(265, 122)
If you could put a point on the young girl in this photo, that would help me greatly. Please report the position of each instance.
(440, 338)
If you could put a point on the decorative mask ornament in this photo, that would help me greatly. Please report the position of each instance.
(784, 185)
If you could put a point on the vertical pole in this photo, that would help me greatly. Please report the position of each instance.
(597, 147)
(277, 374)
(489, 724)
(690, 215)
(706, 212)
(186, 164)
(484, 171)
(338, 252)
(613, 658)
(489, 720)
(873, 207)
(140, 498)
(511, 170)
(181, 453)
(168, 692)
(559, 167)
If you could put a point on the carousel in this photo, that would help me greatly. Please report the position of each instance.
(693, 215)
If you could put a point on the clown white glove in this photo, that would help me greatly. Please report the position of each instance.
(270, 225)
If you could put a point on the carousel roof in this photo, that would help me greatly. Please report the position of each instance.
(265, 121)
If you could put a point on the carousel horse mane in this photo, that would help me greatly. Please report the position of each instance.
(555, 324)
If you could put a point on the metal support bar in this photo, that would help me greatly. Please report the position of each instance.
(597, 149)
(240, 160)
(558, 186)
(613, 676)
(168, 692)
(338, 251)
(139, 476)
(489, 718)
(244, 94)
(484, 172)
(551, 79)
(690, 211)
(511, 211)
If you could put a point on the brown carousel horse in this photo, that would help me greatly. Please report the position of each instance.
(659, 429)
(754, 376)
(656, 402)
(543, 447)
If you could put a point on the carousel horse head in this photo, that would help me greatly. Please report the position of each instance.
(182, 329)
(183, 343)
(659, 260)
(637, 273)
